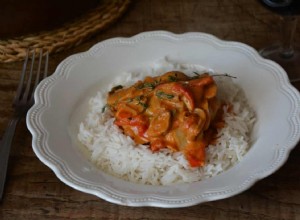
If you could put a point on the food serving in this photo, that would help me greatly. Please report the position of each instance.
(171, 111)
(178, 126)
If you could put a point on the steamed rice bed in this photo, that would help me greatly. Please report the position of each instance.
(118, 155)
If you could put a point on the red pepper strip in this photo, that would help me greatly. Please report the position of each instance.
(138, 121)
(187, 95)
(179, 89)
(195, 155)
(123, 118)
(141, 123)
(157, 145)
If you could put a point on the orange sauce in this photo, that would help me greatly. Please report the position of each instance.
(170, 111)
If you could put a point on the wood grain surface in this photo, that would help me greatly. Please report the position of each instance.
(34, 192)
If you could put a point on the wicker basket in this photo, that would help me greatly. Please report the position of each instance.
(66, 36)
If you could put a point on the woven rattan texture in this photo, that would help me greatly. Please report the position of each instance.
(67, 36)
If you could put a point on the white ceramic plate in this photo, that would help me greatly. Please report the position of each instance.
(53, 120)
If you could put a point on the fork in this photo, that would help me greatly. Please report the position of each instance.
(23, 100)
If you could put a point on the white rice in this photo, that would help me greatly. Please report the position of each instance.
(118, 155)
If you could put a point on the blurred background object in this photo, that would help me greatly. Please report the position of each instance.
(23, 17)
(286, 53)
(53, 26)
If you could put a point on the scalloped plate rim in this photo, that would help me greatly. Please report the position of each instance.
(59, 167)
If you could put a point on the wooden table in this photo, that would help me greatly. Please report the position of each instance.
(34, 192)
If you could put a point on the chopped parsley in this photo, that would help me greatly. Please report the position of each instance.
(146, 85)
(145, 105)
(139, 100)
(225, 74)
(172, 78)
(104, 108)
(163, 95)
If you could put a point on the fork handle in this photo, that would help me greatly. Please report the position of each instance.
(5, 146)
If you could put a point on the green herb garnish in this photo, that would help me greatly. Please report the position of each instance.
(172, 78)
(197, 75)
(163, 95)
(139, 98)
(104, 108)
(225, 74)
(146, 85)
(129, 100)
(145, 105)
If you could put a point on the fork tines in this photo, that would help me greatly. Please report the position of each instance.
(27, 85)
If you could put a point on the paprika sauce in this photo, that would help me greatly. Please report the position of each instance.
(172, 111)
